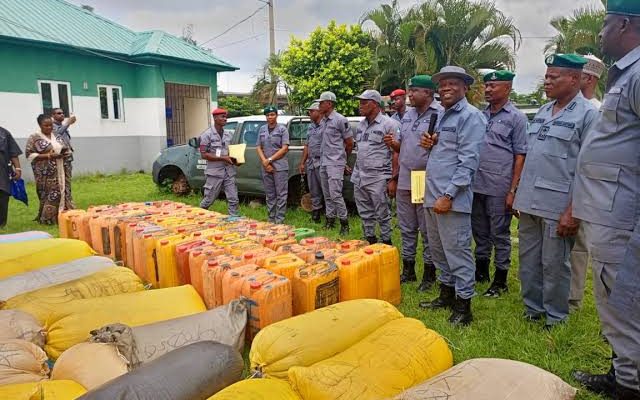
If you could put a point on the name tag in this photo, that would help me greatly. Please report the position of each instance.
(537, 120)
(448, 129)
(218, 152)
(542, 133)
(570, 125)
(615, 90)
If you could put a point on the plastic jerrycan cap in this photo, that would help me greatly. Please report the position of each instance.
(164, 242)
(248, 256)
(368, 251)
(212, 263)
(319, 256)
(304, 273)
(255, 285)
(345, 262)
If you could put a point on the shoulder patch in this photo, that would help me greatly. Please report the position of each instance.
(572, 106)
(570, 125)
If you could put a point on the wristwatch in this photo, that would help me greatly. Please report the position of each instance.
(448, 196)
(270, 160)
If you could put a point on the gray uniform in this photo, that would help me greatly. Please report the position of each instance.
(606, 198)
(543, 195)
(412, 157)
(371, 175)
(219, 174)
(450, 168)
(276, 184)
(506, 137)
(335, 130)
(314, 158)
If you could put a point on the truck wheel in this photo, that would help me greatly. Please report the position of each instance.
(180, 186)
(296, 190)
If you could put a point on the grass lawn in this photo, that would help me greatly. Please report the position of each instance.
(498, 330)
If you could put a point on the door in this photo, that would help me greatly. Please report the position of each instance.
(249, 177)
(196, 117)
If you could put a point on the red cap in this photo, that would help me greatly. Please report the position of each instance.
(346, 262)
(368, 251)
(256, 285)
(219, 111)
(164, 242)
(212, 263)
(398, 92)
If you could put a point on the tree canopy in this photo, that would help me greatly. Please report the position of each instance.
(336, 58)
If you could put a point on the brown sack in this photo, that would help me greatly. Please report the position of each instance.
(491, 379)
(16, 324)
(90, 364)
(141, 344)
(21, 362)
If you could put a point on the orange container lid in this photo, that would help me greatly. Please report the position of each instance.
(147, 235)
(131, 225)
(212, 263)
(256, 285)
(248, 256)
(269, 241)
(368, 251)
(218, 237)
(197, 234)
(181, 230)
(164, 242)
(346, 262)
(196, 253)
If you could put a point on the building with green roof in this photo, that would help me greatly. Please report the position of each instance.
(133, 93)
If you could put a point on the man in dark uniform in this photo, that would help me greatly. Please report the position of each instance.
(9, 165)
(605, 199)
(494, 186)
(398, 103)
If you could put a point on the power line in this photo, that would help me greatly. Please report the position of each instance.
(239, 41)
(233, 26)
(73, 45)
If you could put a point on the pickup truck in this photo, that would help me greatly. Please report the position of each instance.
(183, 168)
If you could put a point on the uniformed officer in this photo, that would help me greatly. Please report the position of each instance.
(310, 162)
(605, 199)
(398, 103)
(412, 157)
(591, 73)
(272, 147)
(221, 169)
(494, 186)
(547, 228)
(372, 171)
(337, 143)
(452, 162)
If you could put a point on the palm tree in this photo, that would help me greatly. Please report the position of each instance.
(578, 33)
(435, 33)
(394, 61)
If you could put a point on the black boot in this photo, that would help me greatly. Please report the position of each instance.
(598, 383)
(624, 393)
(461, 314)
(428, 278)
(499, 284)
(371, 239)
(408, 271)
(482, 270)
(329, 223)
(445, 300)
(344, 227)
(387, 242)
(315, 216)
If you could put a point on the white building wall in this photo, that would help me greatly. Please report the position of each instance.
(100, 145)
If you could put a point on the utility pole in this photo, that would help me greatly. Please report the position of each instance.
(272, 30)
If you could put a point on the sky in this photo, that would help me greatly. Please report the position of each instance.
(247, 45)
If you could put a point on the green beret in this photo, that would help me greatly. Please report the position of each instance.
(573, 61)
(499, 76)
(422, 81)
(623, 7)
(269, 109)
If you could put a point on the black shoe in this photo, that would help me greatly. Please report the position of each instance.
(329, 223)
(344, 227)
(387, 242)
(371, 239)
(482, 270)
(445, 299)
(625, 393)
(598, 383)
(408, 271)
(499, 284)
(461, 314)
(428, 278)
(531, 317)
(316, 215)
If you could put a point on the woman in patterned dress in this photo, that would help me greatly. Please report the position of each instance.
(50, 160)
